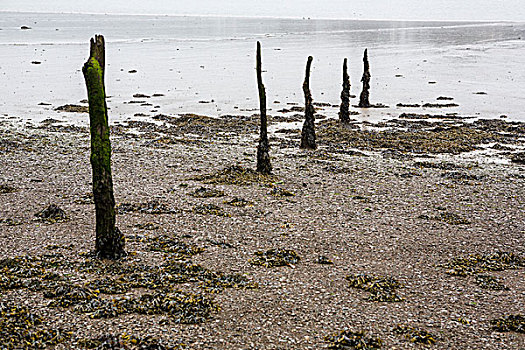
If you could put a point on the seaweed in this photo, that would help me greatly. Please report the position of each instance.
(52, 214)
(203, 192)
(22, 329)
(280, 192)
(7, 189)
(152, 207)
(182, 307)
(415, 335)
(236, 175)
(179, 249)
(476, 263)
(210, 209)
(275, 257)
(348, 339)
(510, 323)
(490, 282)
(381, 289)
(239, 202)
(126, 342)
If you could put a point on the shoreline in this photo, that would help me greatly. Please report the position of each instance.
(383, 214)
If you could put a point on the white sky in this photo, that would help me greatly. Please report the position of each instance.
(513, 10)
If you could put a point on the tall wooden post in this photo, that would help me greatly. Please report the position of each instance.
(109, 240)
(365, 94)
(263, 156)
(344, 109)
(308, 132)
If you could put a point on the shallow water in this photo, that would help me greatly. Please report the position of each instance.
(196, 59)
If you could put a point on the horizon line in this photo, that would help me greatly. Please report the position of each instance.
(263, 17)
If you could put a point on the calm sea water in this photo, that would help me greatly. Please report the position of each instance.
(195, 59)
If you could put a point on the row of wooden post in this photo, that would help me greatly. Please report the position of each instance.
(110, 241)
(308, 140)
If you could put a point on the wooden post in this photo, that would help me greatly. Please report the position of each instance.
(344, 109)
(109, 240)
(365, 94)
(263, 156)
(308, 132)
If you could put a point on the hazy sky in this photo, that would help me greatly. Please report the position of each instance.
(513, 10)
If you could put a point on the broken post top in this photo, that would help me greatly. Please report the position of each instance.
(258, 63)
(307, 75)
(365, 61)
(345, 70)
(97, 51)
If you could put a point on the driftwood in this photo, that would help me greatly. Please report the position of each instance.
(308, 132)
(109, 240)
(263, 156)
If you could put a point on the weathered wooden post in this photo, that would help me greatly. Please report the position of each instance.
(308, 132)
(263, 156)
(109, 240)
(344, 109)
(365, 94)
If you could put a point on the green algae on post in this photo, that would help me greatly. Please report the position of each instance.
(109, 240)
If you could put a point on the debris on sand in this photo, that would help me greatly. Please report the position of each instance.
(275, 257)
(210, 209)
(152, 207)
(349, 339)
(476, 263)
(52, 214)
(73, 109)
(203, 192)
(236, 175)
(511, 323)
(382, 289)
(518, 158)
(415, 335)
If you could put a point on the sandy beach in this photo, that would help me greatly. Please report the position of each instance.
(405, 227)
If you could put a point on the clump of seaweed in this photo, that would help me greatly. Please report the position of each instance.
(7, 189)
(239, 202)
(179, 249)
(348, 339)
(452, 219)
(147, 226)
(29, 272)
(210, 209)
(85, 198)
(511, 323)
(476, 263)
(52, 214)
(415, 335)
(21, 329)
(275, 257)
(490, 282)
(236, 175)
(203, 192)
(216, 282)
(182, 307)
(126, 342)
(323, 260)
(382, 289)
(11, 222)
(107, 286)
(440, 165)
(280, 192)
(152, 207)
(453, 139)
(66, 295)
